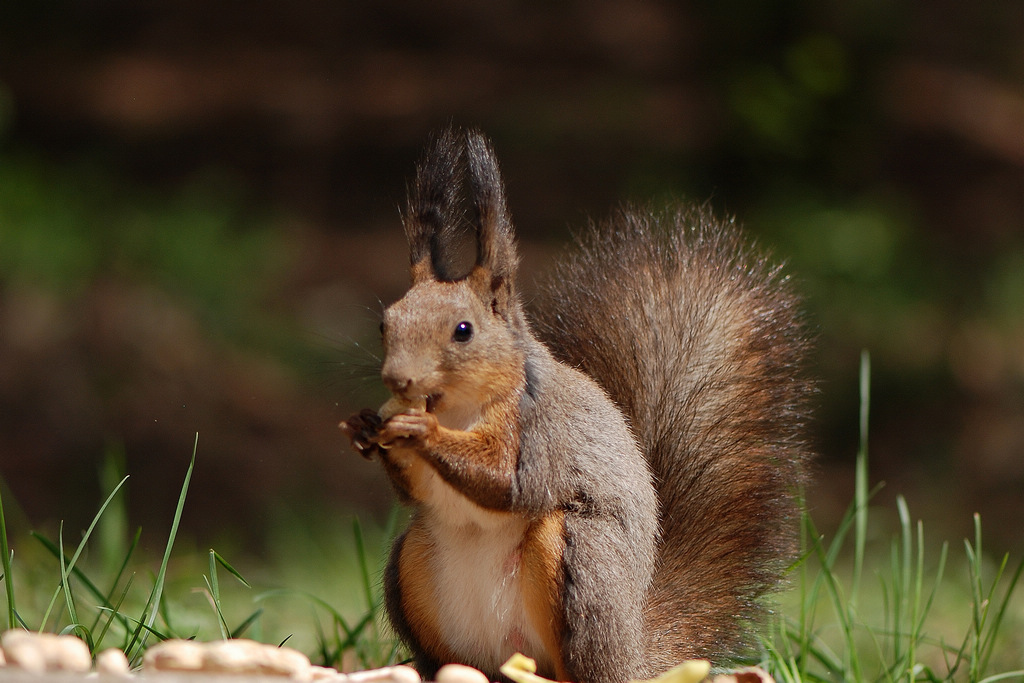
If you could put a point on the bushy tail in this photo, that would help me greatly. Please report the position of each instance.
(699, 340)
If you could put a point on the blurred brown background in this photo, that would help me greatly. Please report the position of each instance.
(198, 222)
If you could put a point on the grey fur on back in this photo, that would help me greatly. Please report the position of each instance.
(698, 339)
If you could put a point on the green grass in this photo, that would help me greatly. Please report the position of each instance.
(864, 606)
(105, 608)
(915, 625)
(200, 597)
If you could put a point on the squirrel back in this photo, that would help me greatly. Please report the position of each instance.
(699, 340)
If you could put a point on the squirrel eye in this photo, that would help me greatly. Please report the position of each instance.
(463, 332)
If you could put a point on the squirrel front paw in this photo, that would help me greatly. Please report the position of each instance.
(408, 429)
(363, 429)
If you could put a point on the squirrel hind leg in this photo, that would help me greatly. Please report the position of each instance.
(543, 576)
(604, 631)
(408, 600)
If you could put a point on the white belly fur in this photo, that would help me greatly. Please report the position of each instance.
(477, 579)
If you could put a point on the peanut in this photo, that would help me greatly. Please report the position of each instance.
(229, 656)
(327, 674)
(112, 662)
(459, 673)
(174, 655)
(395, 405)
(39, 652)
(389, 674)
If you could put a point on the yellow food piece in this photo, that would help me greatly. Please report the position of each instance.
(395, 405)
(522, 669)
(690, 671)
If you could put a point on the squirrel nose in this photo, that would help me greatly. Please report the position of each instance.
(397, 385)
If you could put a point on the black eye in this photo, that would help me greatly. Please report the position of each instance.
(382, 328)
(463, 332)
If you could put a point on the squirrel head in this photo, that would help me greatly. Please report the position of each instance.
(455, 339)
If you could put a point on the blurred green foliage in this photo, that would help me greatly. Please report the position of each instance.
(64, 226)
(170, 147)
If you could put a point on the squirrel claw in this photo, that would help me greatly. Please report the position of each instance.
(365, 448)
(363, 429)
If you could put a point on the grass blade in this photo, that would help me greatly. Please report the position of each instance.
(285, 592)
(213, 585)
(140, 627)
(69, 599)
(986, 651)
(222, 623)
(231, 570)
(1009, 675)
(95, 521)
(113, 528)
(148, 616)
(364, 568)
(56, 551)
(114, 613)
(213, 590)
(861, 478)
(105, 601)
(244, 626)
(66, 570)
(5, 560)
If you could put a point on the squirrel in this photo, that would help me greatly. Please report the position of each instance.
(608, 485)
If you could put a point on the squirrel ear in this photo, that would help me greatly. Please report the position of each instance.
(496, 250)
(494, 290)
(430, 219)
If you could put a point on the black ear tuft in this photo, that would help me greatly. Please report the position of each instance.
(496, 250)
(456, 164)
(433, 210)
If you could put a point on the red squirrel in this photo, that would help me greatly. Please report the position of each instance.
(608, 484)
